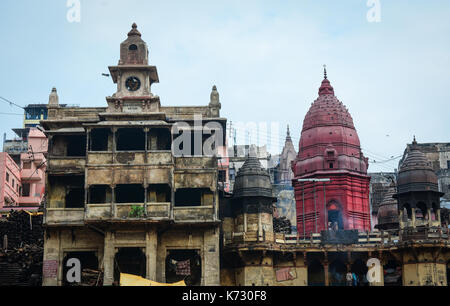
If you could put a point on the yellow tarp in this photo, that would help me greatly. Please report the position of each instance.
(134, 280)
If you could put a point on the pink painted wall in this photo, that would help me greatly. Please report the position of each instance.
(10, 181)
(33, 165)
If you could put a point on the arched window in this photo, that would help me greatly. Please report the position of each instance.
(132, 47)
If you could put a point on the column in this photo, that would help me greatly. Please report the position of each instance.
(413, 216)
(210, 258)
(113, 199)
(151, 249)
(400, 218)
(114, 130)
(108, 259)
(325, 270)
(438, 215)
(430, 219)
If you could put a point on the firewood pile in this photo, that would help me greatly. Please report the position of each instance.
(21, 228)
(90, 277)
(21, 251)
(282, 225)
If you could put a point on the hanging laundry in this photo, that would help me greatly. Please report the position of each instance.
(184, 267)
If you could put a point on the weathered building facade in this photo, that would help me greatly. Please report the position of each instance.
(118, 198)
(126, 193)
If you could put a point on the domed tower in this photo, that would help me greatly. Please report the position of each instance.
(329, 148)
(252, 203)
(388, 210)
(418, 194)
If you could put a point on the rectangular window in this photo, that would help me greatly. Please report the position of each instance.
(27, 165)
(222, 176)
(25, 190)
(7, 177)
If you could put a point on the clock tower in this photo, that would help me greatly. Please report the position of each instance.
(134, 78)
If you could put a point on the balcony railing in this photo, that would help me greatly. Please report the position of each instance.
(66, 163)
(130, 158)
(64, 216)
(32, 174)
(194, 213)
(128, 211)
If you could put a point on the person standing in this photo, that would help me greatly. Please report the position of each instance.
(349, 278)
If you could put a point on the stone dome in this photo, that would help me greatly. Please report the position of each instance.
(415, 173)
(252, 180)
(388, 210)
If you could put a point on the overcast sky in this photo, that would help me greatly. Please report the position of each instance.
(265, 57)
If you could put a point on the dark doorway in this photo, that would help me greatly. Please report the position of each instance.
(74, 191)
(184, 265)
(392, 273)
(359, 267)
(130, 140)
(316, 273)
(76, 145)
(335, 220)
(189, 197)
(337, 273)
(132, 193)
(88, 260)
(99, 194)
(99, 139)
(130, 261)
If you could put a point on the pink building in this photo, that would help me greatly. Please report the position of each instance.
(10, 183)
(23, 186)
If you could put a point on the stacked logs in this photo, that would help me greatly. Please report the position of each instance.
(90, 277)
(282, 225)
(21, 251)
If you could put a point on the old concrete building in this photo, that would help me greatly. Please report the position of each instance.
(119, 198)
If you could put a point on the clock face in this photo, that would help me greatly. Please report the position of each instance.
(133, 83)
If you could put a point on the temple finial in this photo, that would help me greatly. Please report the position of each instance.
(325, 71)
(414, 140)
(288, 131)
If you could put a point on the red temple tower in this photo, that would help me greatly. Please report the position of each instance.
(329, 148)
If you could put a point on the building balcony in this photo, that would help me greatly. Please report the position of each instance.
(32, 174)
(66, 164)
(128, 212)
(193, 214)
(29, 201)
(64, 216)
(130, 158)
(195, 162)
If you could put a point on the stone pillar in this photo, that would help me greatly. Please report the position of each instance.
(211, 267)
(438, 216)
(108, 259)
(151, 249)
(413, 216)
(430, 219)
(51, 258)
(325, 270)
(400, 218)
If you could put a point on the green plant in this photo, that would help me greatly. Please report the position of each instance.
(136, 211)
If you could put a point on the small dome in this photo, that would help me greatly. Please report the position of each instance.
(388, 210)
(252, 180)
(415, 173)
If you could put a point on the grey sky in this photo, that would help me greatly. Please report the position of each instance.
(265, 57)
